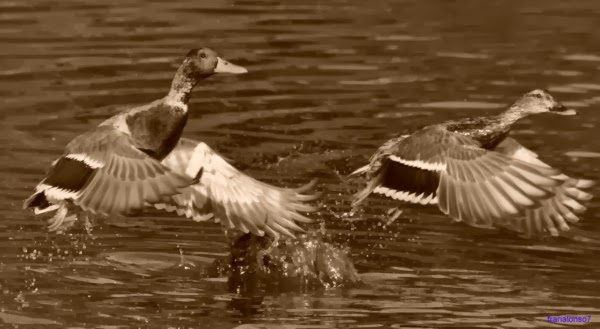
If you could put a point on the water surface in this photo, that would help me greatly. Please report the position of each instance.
(329, 81)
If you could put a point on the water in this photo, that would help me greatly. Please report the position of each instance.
(329, 82)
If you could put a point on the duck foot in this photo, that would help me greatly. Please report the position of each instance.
(88, 223)
(394, 214)
(60, 221)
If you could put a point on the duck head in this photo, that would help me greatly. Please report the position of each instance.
(539, 101)
(204, 62)
(198, 64)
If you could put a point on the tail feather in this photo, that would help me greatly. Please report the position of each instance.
(360, 170)
(38, 210)
(36, 200)
(360, 196)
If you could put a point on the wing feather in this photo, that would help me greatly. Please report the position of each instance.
(235, 199)
(563, 203)
(500, 177)
(126, 178)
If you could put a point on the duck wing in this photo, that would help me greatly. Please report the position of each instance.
(555, 213)
(223, 194)
(104, 173)
(467, 182)
(407, 168)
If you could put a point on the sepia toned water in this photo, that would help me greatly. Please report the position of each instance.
(329, 81)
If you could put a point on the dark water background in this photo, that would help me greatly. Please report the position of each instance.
(328, 82)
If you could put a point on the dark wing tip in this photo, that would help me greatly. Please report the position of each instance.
(362, 195)
(37, 199)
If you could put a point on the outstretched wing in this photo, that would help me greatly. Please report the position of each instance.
(224, 194)
(484, 188)
(471, 184)
(102, 172)
(555, 213)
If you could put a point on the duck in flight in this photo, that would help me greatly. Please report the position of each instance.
(137, 159)
(475, 173)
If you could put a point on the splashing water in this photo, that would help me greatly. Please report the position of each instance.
(302, 264)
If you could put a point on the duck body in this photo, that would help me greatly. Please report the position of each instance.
(475, 173)
(115, 168)
(155, 129)
(488, 131)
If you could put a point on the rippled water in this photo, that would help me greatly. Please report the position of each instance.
(329, 81)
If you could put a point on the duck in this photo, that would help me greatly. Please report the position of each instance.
(475, 173)
(136, 159)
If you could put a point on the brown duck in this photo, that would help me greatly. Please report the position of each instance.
(475, 173)
(136, 159)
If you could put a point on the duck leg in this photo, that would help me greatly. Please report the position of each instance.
(88, 224)
(60, 221)
(394, 214)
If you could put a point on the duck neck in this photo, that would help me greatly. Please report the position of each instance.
(181, 88)
(490, 131)
(512, 115)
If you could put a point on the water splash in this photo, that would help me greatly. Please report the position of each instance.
(302, 264)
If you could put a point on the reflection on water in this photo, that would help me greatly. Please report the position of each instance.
(329, 81)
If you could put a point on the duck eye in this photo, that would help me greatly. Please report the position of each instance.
(202, 55)
(537, 95)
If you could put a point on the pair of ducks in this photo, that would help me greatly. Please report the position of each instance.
(469, 168)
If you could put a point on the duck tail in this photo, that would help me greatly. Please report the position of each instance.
(361, 195)
(361, 170)
(39, 203)
(37, 199)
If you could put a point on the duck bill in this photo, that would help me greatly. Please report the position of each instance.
(224, 66)
(562, 110)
